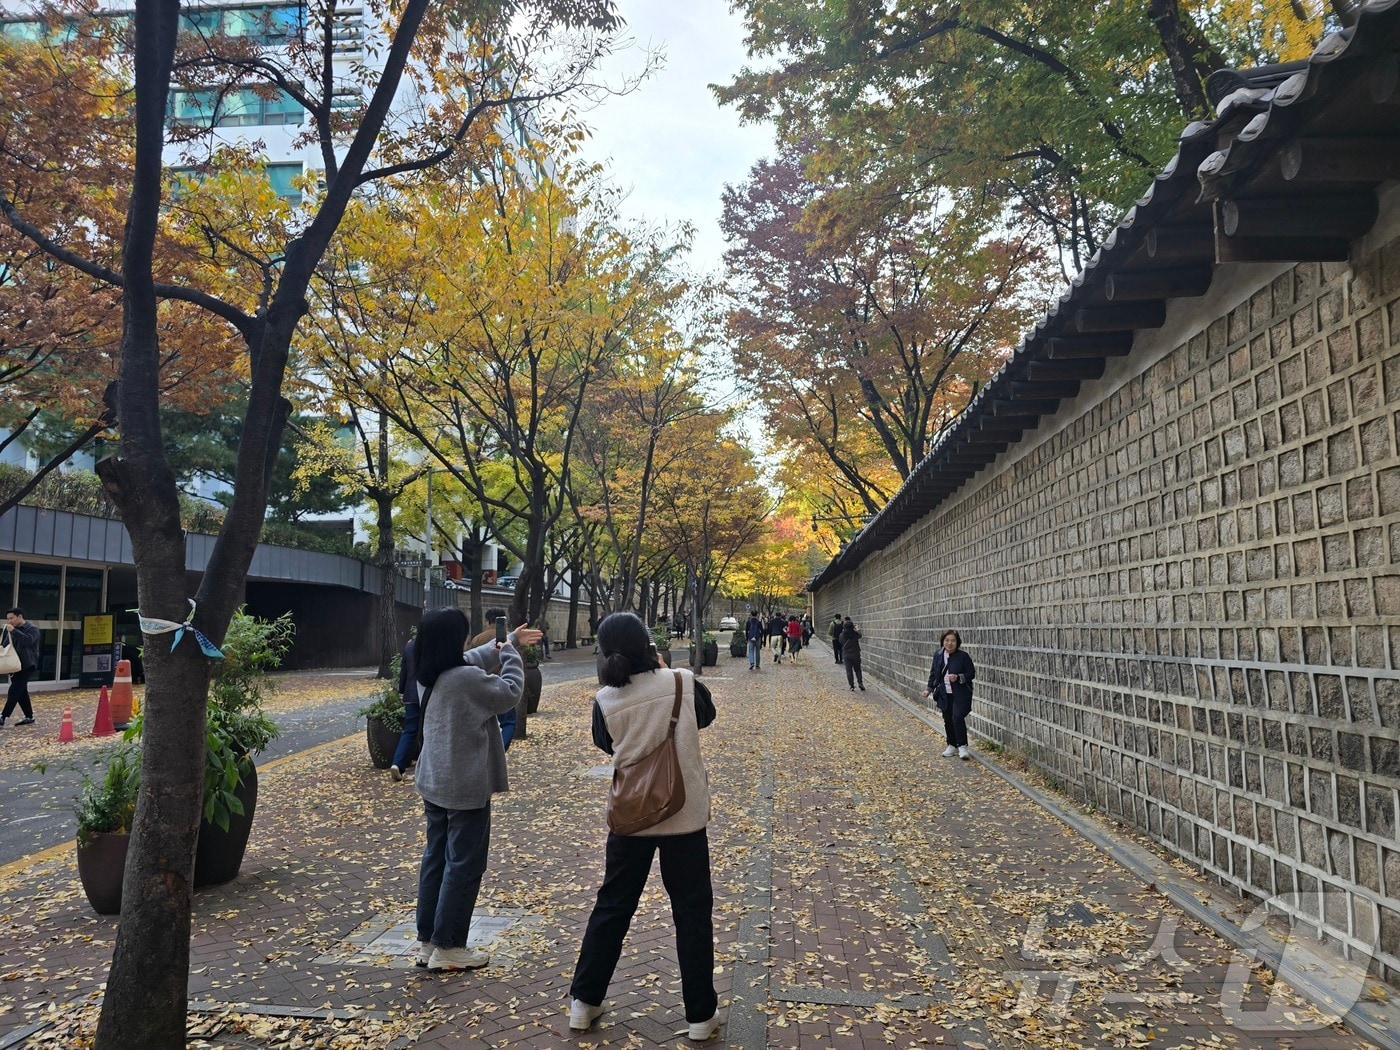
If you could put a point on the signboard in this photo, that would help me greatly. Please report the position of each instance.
(488, 577)
(101, 651)
(411, 563)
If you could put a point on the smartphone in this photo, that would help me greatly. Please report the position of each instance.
(500, 630)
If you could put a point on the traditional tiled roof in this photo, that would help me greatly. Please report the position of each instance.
(1286, 171)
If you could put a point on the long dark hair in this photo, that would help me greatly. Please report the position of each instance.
(442, 637)
(626, 645)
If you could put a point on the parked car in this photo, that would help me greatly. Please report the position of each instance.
(508, 582)
(728, 623)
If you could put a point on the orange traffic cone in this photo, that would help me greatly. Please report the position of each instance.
(65, 731)
(102, 726)
(121, 695)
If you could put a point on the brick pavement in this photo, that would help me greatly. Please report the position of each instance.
(868, 894)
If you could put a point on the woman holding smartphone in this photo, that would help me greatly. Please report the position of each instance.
(950, 683)
(463, 764)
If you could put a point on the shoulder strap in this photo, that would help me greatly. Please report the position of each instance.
(676, 707)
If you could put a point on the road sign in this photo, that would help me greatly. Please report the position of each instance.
(411, 563)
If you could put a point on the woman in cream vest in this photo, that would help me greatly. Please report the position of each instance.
(631, 716)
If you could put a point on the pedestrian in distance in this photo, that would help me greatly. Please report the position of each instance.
(24, 636)
(835, 632)
(543, 625)
(777, 636)
(794, 637)
(806, 630)
(407, 751)
(462, 764)
(850, 654)
(950, 684)
(631, 717)
(754, 633)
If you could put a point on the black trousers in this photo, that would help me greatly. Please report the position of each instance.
(685, 872)
(853, 677)
(836, 648)
(19, 694)
(955, 721)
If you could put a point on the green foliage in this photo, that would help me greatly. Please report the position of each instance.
(77, 491)
(530, 653)
(388, 705)
(109, 804)
(661, 636)
(236, 728)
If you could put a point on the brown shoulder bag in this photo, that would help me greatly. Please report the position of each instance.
(647, 792)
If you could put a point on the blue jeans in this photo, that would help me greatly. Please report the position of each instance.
(454, 860)
(403, 754)
(755, 653)
(685, 872)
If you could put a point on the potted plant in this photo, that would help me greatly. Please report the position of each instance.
(661, 636)
(384, 719)
(709, 650)
(236, 730)
(738, 644)
(105, 809)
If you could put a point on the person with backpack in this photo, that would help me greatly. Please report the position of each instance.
(835, 632)
(850, 654)
(754, 633)
(777, 637)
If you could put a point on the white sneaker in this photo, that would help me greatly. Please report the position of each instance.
(949, 751)
(396, 772)
(964, 753)
(422, 954)
(702, 1030)
(582, 1016)
(457, 959)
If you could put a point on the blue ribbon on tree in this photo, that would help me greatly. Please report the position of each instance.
(152, 625)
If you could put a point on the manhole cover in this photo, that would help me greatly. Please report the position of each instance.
(394, 937)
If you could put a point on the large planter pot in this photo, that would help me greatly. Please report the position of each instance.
(219, 854)
(665, 656)
(738, 645)
(101, 864)
(709, 653)
(383, 741)
(534, 682)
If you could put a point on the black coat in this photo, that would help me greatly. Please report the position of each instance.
(850, 643)
(26, 640)
(958, 663)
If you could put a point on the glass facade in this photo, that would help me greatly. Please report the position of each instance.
(241, 107)
(55, 598)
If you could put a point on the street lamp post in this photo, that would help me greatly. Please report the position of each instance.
(428, 544)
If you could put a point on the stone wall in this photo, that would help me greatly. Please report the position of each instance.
(1182, 592)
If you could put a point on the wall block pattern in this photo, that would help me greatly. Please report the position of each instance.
(1183, 593)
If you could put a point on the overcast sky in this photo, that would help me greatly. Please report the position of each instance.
(669, 142)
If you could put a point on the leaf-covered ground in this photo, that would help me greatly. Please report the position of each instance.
(868, 893)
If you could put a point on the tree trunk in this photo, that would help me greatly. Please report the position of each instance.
(575, 575)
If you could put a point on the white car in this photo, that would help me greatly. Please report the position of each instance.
(508, 582)
(728, 623)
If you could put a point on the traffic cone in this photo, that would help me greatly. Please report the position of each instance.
(121, 695)
(102, 725)
(65, 731)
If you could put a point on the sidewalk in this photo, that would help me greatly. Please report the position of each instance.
(868, 894)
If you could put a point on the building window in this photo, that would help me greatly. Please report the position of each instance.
(280, 174)
(239, 108)
(268, 24)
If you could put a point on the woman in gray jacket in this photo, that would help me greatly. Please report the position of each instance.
(631, 716)
(461, 766)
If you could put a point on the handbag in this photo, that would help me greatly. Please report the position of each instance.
(10, 662)
(647, 792)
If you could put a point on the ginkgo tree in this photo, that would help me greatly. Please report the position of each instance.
(532, 300)
(467, 60)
